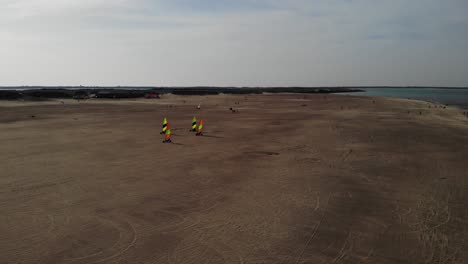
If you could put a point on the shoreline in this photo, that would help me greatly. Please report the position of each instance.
(462, 106)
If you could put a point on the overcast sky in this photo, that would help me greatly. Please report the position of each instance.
(239, 43)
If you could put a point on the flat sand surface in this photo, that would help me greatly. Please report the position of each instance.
(286, 179)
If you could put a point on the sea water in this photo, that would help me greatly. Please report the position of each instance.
(449, 96)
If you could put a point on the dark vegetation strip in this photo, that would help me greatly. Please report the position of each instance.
(39, 93)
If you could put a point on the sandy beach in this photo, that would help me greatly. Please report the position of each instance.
(287, 178)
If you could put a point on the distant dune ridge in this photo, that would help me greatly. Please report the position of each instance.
(31, 93)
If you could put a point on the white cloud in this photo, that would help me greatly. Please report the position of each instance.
(254, 42)
(53, 7)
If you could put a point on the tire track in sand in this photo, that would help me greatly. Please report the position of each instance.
(317, 226)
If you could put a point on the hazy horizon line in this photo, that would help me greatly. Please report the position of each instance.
(226, 86)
